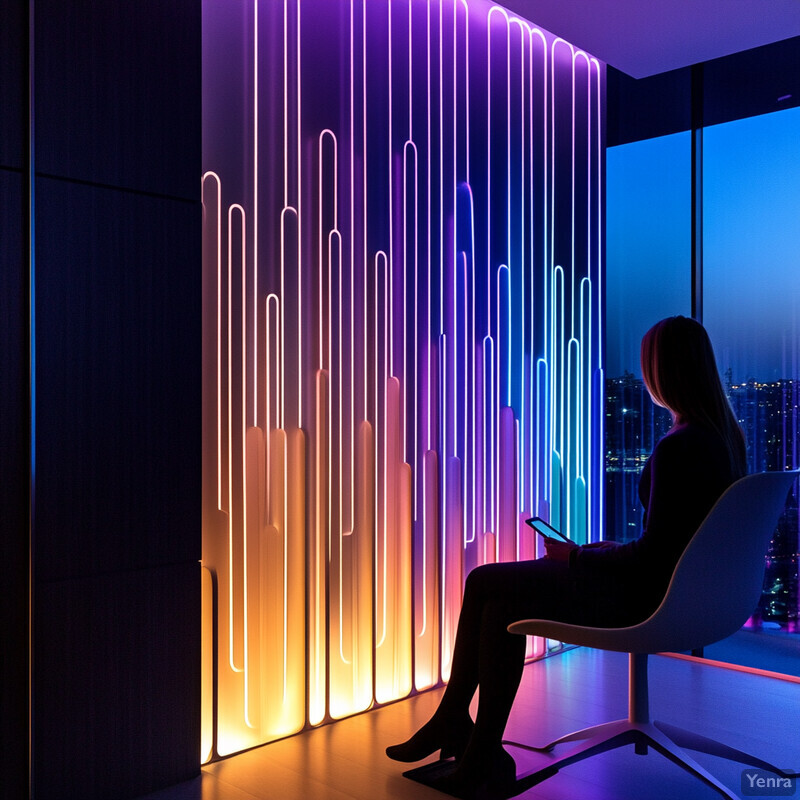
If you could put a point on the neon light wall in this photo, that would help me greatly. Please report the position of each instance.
(402, 299)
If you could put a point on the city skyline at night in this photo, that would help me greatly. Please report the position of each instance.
(768, 414)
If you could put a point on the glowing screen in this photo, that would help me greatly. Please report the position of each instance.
(402, 303)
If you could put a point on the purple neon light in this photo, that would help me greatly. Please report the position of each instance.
(459, 374)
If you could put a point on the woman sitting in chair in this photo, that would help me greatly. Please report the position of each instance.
(603, 584)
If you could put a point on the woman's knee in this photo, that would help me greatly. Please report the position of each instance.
(485, 580)
(536, 587)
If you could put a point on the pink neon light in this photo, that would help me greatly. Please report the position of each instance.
(381, 259)
(285, 103)
(365, 209)
(255, 213)
(352, 300)
(401, 363)
(231, 210)
(409, 147)
(218, 218)
(708, 662)
(429, 443)
(390, 251)
(466, 89)
(322, 234)
(441, 180)
(299, 106)
(273, 377)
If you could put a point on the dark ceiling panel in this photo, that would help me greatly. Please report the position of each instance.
(647, 38)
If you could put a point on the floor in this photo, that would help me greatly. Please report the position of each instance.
(767, 648)
(577, 688)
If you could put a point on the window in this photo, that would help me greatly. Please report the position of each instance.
(648, 255)
(750, 301)
(751, 307)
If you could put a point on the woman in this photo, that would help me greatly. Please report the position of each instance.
(604, 583)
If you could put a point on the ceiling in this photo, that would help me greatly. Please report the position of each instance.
(645, 37)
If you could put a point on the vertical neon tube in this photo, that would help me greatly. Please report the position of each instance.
(355, 407)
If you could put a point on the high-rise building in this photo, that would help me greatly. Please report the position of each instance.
(768, 414)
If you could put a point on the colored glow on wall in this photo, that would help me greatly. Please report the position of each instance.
(402, 303)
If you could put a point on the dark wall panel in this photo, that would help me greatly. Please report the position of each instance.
(648, 107)
(14, 407)
(118, 334)
(757, 81)
(13, 83)
(117, 88)
(13, 490)
(745, 84)
(116, 537)
(116, 711)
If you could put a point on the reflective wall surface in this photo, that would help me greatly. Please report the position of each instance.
(402, 321)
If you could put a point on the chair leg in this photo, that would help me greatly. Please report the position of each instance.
(618, 734)
(664, 744)
(585, 733)
(702, 744)
(638, 730)
(596, 740)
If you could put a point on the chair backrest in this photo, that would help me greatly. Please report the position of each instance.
(717, 581)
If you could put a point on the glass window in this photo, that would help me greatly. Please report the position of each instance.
(751, 299)
(648, 269)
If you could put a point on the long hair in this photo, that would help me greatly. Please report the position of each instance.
(680, 372)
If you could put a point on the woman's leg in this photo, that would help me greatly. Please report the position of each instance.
(505, 593)
(451, 726)
(494, 596)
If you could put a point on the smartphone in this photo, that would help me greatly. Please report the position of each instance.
(546, 529)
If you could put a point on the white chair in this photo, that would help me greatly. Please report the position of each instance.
(714, 589)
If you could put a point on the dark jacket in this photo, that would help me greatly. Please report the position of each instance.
(685, 475)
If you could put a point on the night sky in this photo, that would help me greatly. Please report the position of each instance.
(648, 242)
(751, 175)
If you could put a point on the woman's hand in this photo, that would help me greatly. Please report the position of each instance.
(601, 545)
(557, 550)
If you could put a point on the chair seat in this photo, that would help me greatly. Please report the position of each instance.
(646, 637)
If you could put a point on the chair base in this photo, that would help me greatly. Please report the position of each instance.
(668, 740)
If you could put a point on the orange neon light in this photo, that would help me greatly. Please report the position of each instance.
(401, 275)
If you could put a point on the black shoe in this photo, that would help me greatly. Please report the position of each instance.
(451, 739)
